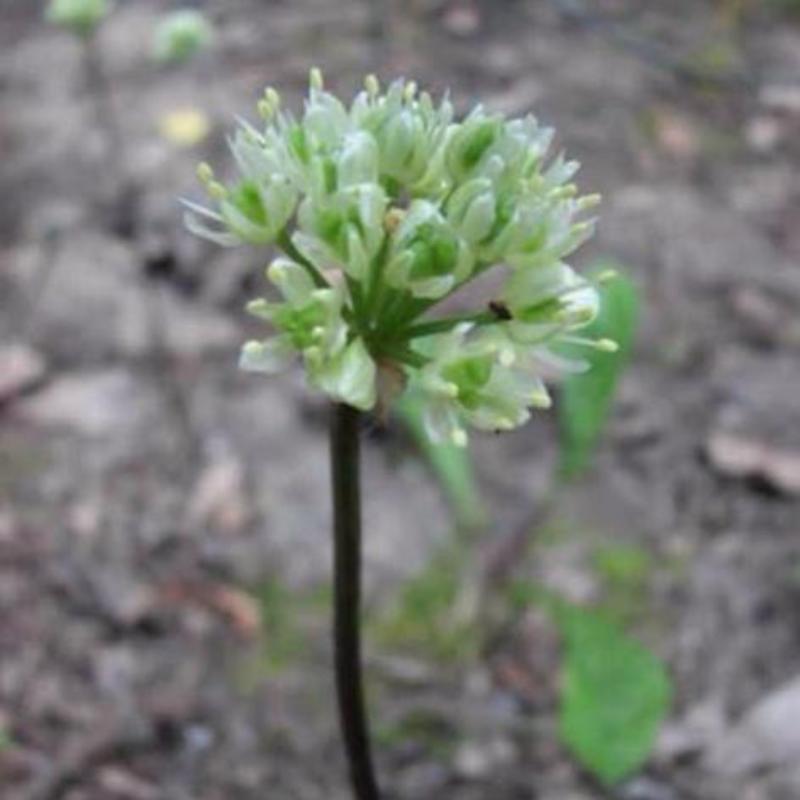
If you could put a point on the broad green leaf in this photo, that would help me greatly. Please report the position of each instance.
(615, 695)
(452, 465)
(586, 398)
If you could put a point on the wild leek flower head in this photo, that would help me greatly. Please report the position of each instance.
(79, 16)
(180, 35)
(385, 208)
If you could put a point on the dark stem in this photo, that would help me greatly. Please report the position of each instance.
(432, 326)
(107, 119)
(347, 598)
(118, 195)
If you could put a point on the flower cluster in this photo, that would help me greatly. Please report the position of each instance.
(382, 210)
(79, 16)
(180, 35)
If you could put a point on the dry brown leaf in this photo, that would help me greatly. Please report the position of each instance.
(675, 134)
(240, 608)
(21, 368)
(769, 319)
(218, 498)
(236, 606)
(740, 456)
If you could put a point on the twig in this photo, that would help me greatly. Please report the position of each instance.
(123, 192)
(100, 90)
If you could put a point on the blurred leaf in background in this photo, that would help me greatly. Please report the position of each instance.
(787, 6)
(625, 571)
(615, 695)
(428, 615)
(586, 398)
(451, 464)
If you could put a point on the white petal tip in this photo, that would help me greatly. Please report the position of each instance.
(541, 400)
(459, 438)
(607, 345)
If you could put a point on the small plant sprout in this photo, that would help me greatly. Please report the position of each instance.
(79, 16)
(180, 35)
(83, 18)
(383, 209)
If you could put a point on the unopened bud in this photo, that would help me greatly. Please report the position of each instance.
(606, 275)
(273, 98)
(372, 85)
(216, 190)
(315, 79)
(410, 91)
(606, 345)
(204, 173)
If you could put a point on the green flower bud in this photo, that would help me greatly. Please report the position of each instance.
(79, 16)
(180, 35)
(326, 119)
(472, 210)
(471, 143)
(358, 162)
(400, 139)
(345, 229)
(256, 213)
(428, 258)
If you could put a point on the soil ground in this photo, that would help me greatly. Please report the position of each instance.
(164, 548)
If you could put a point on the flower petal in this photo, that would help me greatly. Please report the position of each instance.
(198, 228)
(350, 377)
(442, 424)
(271, 356)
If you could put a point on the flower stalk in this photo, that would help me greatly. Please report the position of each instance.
(345, 480)
(105, 110)
(381, 210)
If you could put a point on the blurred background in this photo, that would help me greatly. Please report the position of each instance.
(605, 604)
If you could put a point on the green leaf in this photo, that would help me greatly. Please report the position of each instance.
(451, 464)
(586, 398)
(615, 695)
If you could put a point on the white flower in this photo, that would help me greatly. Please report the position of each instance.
(252, 211)
(476, 377)
(386, 207)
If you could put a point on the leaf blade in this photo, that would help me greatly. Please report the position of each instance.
(615, 695)
(586, 399)
(452, 465)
